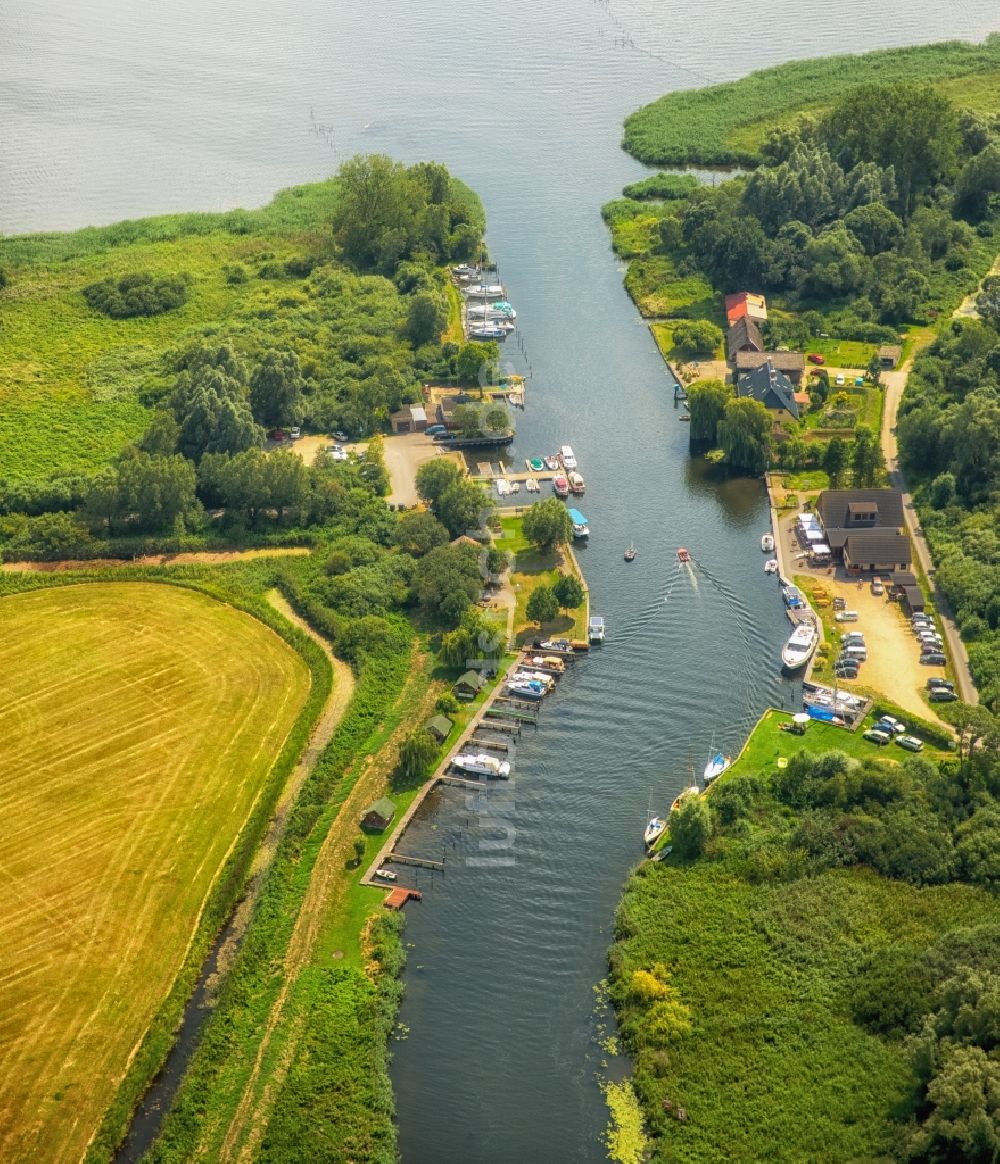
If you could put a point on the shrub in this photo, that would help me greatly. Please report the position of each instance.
(136, 294)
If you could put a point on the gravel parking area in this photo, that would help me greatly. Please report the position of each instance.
(404, 455)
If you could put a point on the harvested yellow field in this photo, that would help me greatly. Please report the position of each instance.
(138, 723)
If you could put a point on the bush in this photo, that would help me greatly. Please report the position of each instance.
(136, 294)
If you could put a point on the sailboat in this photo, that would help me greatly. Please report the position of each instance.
(716, 766)
(654, 830)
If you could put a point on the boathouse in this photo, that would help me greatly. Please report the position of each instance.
(439, 726)
(469, 685)
(851, 511)
(378, 816)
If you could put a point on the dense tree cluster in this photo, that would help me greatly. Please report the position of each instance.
(949, 440)
(871, 204)
(139, 293)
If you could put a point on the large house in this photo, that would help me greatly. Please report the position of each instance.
(744, 336)
(743, 304)
(792, 364)
(864, 529)
(774, 390)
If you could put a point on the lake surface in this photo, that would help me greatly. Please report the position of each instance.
(114, 111)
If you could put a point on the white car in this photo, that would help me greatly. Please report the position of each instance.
(839, 381)
(294, 433)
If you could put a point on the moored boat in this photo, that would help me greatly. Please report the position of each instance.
(385, 874)
(716, 766)
(482, 764)
(567, 456)
(693, 790)
(576, 484)
(800, 646)
(536, 677)
(532, 486)
(767, 543)
(552, 662)
(654, 830)
(488, 331)
(560, 485)
(535, 464)
(580, 527)
(552, 463)
(526, 689)
(560, 646)
(771, 566)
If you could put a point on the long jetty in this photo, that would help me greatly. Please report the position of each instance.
(387, 853)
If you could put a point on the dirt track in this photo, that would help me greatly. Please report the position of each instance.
(218, 557)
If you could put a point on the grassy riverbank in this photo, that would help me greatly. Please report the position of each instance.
(725, 125)
(748, 978)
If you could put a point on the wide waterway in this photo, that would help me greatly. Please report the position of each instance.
(115, 111)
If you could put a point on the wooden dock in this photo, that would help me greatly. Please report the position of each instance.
(418, 862)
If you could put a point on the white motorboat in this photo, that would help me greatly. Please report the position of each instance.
(568, 457)
(771, 566)
(483, 291)
(482, 764)
(654, 830)
(515, 486)
(526, 689)
(716, 766)
(537, 677)
(767, 543)
(561, 646)
(800, 646)
(502, 486)
(595, 629)
(531, 485)
(385, 874)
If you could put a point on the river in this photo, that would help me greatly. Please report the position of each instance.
(116, 111)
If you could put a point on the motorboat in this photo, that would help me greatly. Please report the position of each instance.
(536, 677)
(552, 463)
(595, 629)
(531, 485)
(568, 457)
(560, 646)
(771, 566)
(482, 764)
(630, 553)
(526, 688)
(502, 486)
(386, 874)
(515, 486)
(800, 646)
(580, 527)
(576, 484)
(551, 661)
(716, 766)
(693, 790)
(683, 555)
(534, 464)
(483, 291)
(767, 543)
(654, 830)
(560, 485)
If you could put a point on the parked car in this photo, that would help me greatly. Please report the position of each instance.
(340, 436)
(840, 604)
(889, 723)
(933, 659)
(816, 358)
(942, 695)
(846, 616)
(877, 737)
(910, 743)
(294, 433)
(433, 430)
(877, 588)
(852, 637)
(840, 380)
(845, 672)
(937, 681)
(921, 620)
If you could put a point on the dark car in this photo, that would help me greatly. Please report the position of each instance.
(933, 659)
(875, 736)
(937, 681)
(942, 695)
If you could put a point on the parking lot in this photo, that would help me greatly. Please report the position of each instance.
(893, 665)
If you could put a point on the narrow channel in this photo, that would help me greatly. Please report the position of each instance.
(119, 112)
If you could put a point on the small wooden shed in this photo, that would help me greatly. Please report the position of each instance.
(439, 727)
(378, 816)
(468, 686)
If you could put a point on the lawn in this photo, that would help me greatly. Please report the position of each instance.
(534, 568)
(768, 743)
(139, 725)
(843, 353)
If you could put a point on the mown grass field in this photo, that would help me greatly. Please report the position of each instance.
(72, 380)
(726, 124)
(138, 726)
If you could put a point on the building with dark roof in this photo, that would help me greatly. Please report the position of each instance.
(744, 336)
(880, 550)
(844, 512)
(772, 388)
(793, 364)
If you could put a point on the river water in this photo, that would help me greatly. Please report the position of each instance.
(114, 110)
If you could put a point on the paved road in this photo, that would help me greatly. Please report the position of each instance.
(895, 382)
